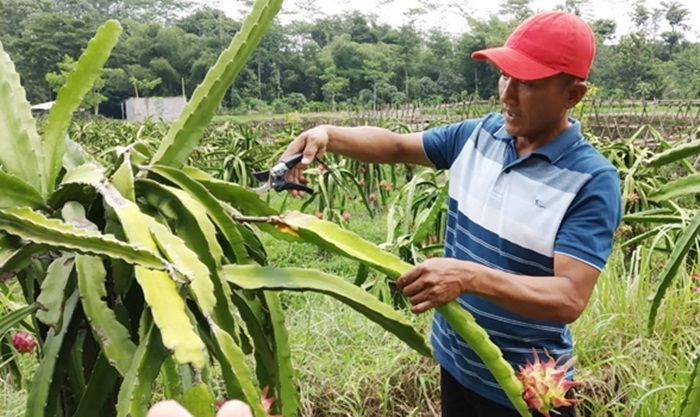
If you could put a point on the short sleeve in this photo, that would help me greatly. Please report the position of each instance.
(443, 144)
(588, 228)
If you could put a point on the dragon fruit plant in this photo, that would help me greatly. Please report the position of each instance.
(127, 269)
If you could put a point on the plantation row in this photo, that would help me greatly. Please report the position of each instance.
(138, 256)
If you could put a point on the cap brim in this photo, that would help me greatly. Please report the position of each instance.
(515, 64)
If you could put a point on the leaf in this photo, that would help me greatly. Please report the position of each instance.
(691, 401)
(136, 389)
(213, 207)
(14, 255)
(248, 202)
(685, 241)
(199, 401)
(177, 252)
(186, 132)
(15, 192)
(673, 154)
(74, 155)
(13, 318)
(199, 236)
(237, 362)
(99, 386)
(191, 218)
(53, 288)
(254, 315)
(652, 216)
(251, 277)
(341, 241)
(168, 309)
(44, 376)
(78, 83)
(36, 228)
(84, 174)
(287, 393)
(20, 144)
(159, 289)
(109, 332)
(682, 186)
(123, 178)
(426, 222)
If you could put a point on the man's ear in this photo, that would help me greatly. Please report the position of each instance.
(575, 92)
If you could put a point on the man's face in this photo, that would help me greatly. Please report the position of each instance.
(535, 109)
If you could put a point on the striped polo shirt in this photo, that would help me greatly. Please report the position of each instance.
(514, 214)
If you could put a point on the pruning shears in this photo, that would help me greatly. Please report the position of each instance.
(274, 178)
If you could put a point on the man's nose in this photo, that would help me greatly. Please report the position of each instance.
(508, 89)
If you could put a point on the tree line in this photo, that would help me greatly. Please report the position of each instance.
(331, 62)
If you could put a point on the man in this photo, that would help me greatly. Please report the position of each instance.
(532, 209)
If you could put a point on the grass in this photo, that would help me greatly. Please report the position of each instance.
(348, 366)
(629, 373)
(275, 117)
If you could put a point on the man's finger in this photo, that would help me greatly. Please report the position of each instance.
(234, 408)
(422, 307)
(309, 154)
(420, 297)
(168, 409)
(409, 276)
(414, 288)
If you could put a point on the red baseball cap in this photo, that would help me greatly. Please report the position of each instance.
(543, 45)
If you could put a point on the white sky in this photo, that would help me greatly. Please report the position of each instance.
(394, 12)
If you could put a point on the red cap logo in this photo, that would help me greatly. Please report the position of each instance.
(543, 45)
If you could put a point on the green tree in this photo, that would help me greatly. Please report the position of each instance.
(516, 9)
(676, 16)
(333, 85)
(56, 80)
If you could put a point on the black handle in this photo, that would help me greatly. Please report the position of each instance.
(291, 160)
(294, 186)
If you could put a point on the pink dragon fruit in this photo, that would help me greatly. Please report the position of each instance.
(24, 342)
(267, 402)
(544, 385)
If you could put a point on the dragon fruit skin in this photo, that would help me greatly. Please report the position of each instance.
(544, 385)
(24, 342)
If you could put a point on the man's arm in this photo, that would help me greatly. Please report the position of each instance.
(378, 145)
(367, 144)
(559, 298)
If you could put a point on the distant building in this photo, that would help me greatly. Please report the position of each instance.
(166, 108)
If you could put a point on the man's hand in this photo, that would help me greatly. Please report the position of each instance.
(170, 408)
(435, 282)
(313, 144)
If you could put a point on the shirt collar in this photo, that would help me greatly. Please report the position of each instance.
(556, 147)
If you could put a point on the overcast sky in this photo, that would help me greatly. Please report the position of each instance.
(395, 12)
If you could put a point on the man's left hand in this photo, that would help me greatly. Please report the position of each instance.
(435, 282)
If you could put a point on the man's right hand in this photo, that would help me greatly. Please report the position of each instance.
(313, 144)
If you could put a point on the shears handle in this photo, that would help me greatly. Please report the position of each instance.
(290, 161)
(294, 186)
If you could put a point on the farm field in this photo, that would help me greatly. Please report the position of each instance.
(347, 365)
